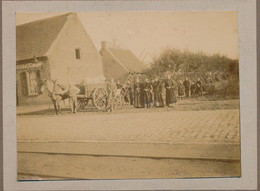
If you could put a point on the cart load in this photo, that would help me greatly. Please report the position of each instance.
(94, 90)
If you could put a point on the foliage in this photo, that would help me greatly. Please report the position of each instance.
(186, 63)
(209, 68)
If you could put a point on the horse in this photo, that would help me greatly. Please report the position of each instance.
(55, 92)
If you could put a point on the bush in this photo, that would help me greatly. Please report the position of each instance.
(210, 69)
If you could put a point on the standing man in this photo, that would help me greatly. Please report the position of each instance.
(72, 92)
(186, 85)
(131, 92)
(192, 89)
(137, 94)
(147, 93)
(127, 94)
(158, 91)
(152, 95)
(113, 87)
(108, 97)
(199, 87)
(119, 87)
(111, 91)
(180, 90)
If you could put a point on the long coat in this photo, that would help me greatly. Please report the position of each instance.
(198, 90)
(147, 93)
(186, 84)
(131, 93)
(137, 95)
(170, 95)
(157, 90)
(192, 89)
(180, 90)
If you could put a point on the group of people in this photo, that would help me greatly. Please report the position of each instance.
(187, 89)
(155, 92)
(149, 93)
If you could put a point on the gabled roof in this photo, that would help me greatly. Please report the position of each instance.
(128, 59)
(35, 38)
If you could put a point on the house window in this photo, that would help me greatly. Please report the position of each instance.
(30, 82)
(77, 51)
(24, 83)
(33, 83)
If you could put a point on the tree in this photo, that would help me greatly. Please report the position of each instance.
(186, 63)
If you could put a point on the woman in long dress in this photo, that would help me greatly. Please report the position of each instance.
(158, 90)
(180, 90)
(147, 93)
(170, 95)
(137, 94)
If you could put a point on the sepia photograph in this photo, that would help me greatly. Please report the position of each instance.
(127, 95)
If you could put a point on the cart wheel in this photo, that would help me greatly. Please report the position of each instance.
(99, 98)
(81, 103)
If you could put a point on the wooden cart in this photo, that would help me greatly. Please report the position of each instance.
(96, 93)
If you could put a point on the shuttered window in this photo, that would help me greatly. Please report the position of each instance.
(30, 82)
(33, 83)
(24, 86)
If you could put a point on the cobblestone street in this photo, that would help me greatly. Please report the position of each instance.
(131, 143)
(217, 126)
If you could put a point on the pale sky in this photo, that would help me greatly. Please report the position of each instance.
(146, 34)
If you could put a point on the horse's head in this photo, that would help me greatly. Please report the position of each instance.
(52, 88)
(47, 86)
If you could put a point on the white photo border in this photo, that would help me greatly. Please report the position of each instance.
(248, 93)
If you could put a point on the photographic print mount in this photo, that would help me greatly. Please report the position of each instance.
(117, 110)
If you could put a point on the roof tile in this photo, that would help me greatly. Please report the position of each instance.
(35, 38)
(128, 59)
